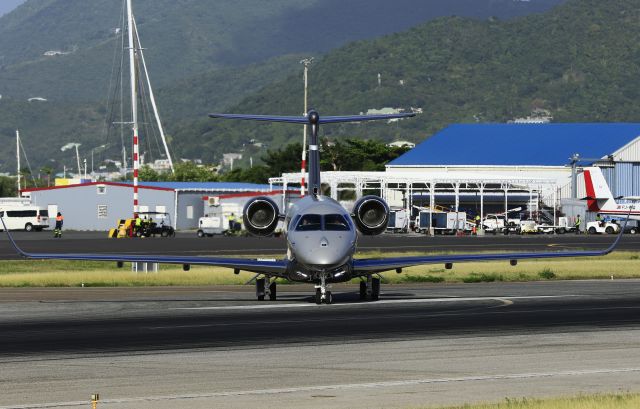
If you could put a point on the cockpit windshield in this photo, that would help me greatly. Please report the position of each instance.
(310, 222)
(335, 222)
(316, 222)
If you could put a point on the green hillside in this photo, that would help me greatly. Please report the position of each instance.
(580, 61)
(203, 56)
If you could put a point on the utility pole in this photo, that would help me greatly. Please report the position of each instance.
(306, 62)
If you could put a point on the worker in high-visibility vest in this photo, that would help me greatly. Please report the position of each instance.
(232, 222)
(138, 224)
(577, 224)
(57, 232)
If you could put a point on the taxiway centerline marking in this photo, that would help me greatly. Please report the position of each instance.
(352, 386)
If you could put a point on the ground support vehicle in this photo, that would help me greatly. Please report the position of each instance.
(603, 227)
(25, 217)
(442, 222)
(217, 221)
(153, 224)
(398, 221)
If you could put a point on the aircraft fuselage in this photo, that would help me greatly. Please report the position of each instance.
(321, 240)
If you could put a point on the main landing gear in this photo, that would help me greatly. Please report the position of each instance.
(370, 289)
(322, 295)
(266, 288)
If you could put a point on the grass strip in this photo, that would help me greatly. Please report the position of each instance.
(63, 273)
(604, 401)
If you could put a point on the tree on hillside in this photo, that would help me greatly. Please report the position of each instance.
(8, 187)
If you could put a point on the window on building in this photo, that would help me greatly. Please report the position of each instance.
(102, 211)
(102, 189)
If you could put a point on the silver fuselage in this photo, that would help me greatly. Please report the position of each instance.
(320, 251)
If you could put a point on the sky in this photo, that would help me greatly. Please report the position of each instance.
(8, 5)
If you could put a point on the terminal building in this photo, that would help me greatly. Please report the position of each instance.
(98, 205)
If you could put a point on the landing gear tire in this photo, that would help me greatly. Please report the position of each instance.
(363, 290)
(328, 298)
(318, 296)
(375, 289)
(260, 289)
(272, 292)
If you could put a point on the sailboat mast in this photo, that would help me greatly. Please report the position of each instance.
(18, 159)
(134, 105)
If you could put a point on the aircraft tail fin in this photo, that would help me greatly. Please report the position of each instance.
(599, 195)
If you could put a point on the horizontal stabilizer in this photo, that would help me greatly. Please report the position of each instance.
(306, 119)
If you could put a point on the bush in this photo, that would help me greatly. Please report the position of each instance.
(482, 278)
(547, 274)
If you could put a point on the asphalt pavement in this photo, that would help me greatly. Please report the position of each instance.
(218, 347)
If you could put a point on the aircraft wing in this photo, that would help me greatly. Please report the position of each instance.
(305, 120)
(265, 266)
(372, 266)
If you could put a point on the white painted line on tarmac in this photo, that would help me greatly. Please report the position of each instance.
(372, 304)
(338, 387)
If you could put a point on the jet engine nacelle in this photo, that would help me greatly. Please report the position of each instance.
(371, 215)
(260, 216)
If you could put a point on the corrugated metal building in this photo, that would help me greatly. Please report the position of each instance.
(98, 205)
(531, 151)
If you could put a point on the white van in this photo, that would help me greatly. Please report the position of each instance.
(27, 218)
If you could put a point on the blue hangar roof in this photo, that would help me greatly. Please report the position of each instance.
(519, 144)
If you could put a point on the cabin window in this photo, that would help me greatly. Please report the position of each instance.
(335, 222)
(310, 222)
(22, 213)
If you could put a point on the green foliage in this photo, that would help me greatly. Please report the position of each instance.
(423, 279)
(358, 155)
(257, 174)
(183, 172)
(482, 278)
(8, 187)
(547, 274)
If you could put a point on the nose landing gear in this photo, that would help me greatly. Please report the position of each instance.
(322, 295)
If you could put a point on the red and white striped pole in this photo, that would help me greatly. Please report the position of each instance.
(134, 106)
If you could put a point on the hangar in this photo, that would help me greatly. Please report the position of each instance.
(98, 205)
(492, 167)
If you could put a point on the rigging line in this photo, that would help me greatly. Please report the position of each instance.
(144, 114)
(24, 152)
(105, 128)
(149, 127)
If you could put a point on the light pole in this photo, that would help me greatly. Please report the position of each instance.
(93, 149)
(306, 62)
(75, 145)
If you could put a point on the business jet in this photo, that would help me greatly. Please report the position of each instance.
(321, 235)
(601, 200)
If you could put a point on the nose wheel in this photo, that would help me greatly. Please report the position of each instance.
(322, 293)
